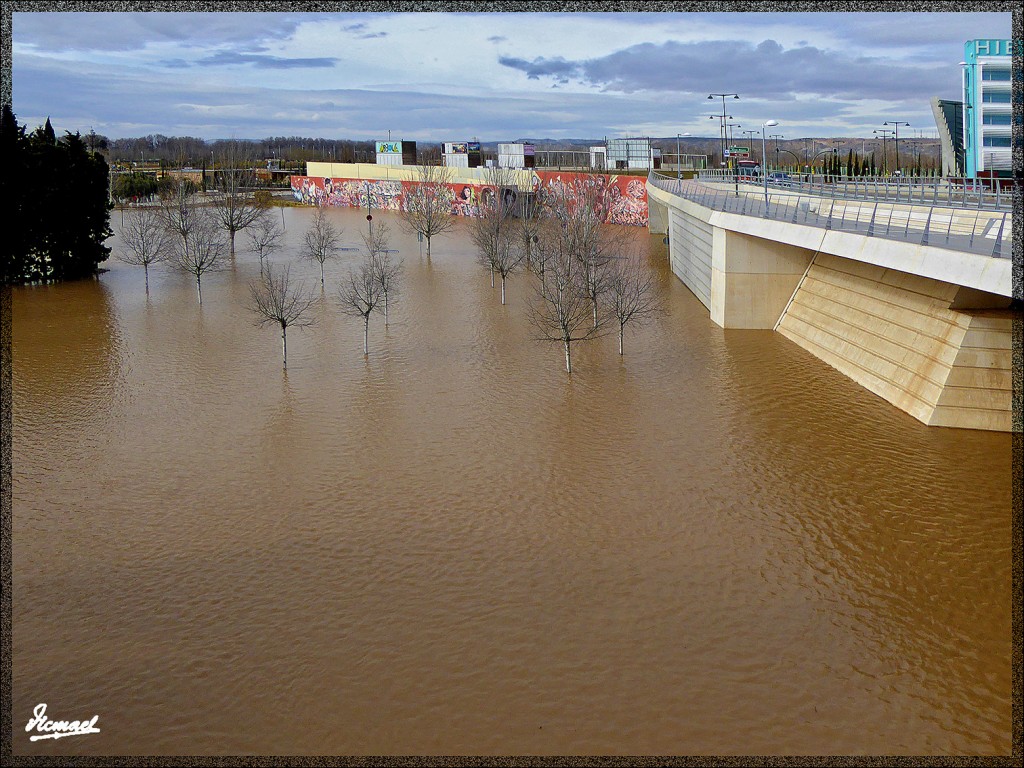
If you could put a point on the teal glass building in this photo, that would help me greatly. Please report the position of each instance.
(987, 107)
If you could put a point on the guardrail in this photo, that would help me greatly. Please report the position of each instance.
(927, 190)
(972, 230)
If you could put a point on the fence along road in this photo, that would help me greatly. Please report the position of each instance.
(984, 227)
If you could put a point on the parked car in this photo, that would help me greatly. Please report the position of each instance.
(779, 179)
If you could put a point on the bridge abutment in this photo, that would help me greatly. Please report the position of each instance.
(940, 350)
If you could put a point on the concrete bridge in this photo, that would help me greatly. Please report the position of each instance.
(908, 295)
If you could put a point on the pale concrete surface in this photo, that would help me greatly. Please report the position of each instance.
(896, 335)
(918, 325)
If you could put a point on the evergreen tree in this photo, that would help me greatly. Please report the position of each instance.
(15, 147)
(61, 205)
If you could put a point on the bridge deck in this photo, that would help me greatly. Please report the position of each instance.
(970, 230)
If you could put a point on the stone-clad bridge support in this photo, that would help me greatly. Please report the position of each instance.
(926, 328)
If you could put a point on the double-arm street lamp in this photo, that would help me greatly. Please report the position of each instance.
(723, 96)
(896, 139)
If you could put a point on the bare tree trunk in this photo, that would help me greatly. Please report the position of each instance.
(284, 343)
(366, 336)
(146, 267)
(621, 329)
(385, 310)
(321, 274)
(199, 289)
(232, 244)
(568, 359)
(503, 290)
(492, 277)
(428, 248)
(595, 313)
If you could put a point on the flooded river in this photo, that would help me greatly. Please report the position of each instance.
(715, 544)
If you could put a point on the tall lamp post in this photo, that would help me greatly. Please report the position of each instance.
(883, 135)
(721, 130)
(733, 169)
(764, 161)
(896, 139)
(723, 96)
(678, 171)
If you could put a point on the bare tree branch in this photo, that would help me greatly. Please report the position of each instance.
(632, 295)
(145, 240)
(428, 203)
(321, 240)
(494, 231)
(235, 205)
(265, 235)
(562, 309)
(201, 249)
(386, 270)
(276, 301)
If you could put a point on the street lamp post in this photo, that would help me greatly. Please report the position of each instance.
(883, 135)
(723, 97)
(896, 139)
(734, 169)
(678, 165)
(721, 130)
(764, 162)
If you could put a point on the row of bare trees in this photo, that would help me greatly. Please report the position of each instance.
(371, 285)
(587, 280)
(196, 233)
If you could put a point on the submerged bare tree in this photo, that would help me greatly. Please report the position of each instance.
(428, 203)
(632, 294)
(180, 210)
(201, 250)
(145, 240)
(276, 301)
(265, 235)
(582, 212)
(562, 310)
(387, 271)
(493, 230)
(321, 240)
(360, 295)
(235, 203)
(527, 226)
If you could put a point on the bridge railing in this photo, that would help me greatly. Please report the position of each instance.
(986, 194)
(972, 230)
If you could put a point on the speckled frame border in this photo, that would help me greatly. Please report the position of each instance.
(1017, 662)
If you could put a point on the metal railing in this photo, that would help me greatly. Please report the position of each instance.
(987, 195)
(972, 230)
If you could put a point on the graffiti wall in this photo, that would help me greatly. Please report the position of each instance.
(621, 199)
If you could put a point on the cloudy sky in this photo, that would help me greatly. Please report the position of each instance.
(455, 76)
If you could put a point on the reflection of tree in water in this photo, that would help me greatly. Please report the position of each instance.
(66, 348)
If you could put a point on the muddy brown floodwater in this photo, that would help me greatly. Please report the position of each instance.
(714, 545)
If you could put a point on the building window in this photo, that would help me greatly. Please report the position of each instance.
(1000, 75)
(997, 141)
(995, 119)
(996, 98)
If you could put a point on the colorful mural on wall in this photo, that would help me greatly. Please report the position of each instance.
(622, 198)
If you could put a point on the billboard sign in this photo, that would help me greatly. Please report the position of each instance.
(389, 147)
